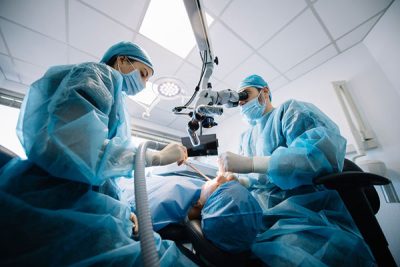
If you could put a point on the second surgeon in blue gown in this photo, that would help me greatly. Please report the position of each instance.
(281, 152)
(54, 208)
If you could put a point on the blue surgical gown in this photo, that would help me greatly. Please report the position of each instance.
(170, 197)
(302, 141)
(50, 221)
(59, 206)
(73, 123)
(304, 225)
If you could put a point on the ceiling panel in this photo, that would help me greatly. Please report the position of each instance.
(230, 50)
(2, 77)
(76, 56)
(28, 72)
(258, 20)
(277, 83)
(220, 85)
(93, 32)
(132, 10)
(41, 50)
(264, 37)
(296, 42)
(3, 48)
(341, 16)
(134, 109)
(215, 7)
(190, 76)
(312, 62)
(254, 65)
(168, 104)
(8, 68)
(46, 16)
(356, 35)
(179, 124)
(161, 117)
(165, 62)
(194, 57)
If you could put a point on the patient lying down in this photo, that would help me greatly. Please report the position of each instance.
(207, 189)
(230, 215)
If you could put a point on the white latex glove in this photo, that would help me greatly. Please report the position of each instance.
(173, 152)
(231, 162)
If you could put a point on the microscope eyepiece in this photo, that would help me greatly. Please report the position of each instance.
(243, 95)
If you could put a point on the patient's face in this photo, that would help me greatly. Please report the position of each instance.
(210, 186)
(206, 190)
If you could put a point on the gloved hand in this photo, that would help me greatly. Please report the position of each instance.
(173, 152)
(231, 162)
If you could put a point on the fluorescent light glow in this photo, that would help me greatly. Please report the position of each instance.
(167, 23)
(146, 96)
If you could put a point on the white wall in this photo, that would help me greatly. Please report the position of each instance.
(383, 42)
(372, 74)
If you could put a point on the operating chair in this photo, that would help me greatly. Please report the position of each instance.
(358, 193)
(356, 188)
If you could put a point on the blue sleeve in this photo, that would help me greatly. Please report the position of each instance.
(73, 140)
(314, 147)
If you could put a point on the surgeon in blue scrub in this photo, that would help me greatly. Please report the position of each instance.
(281, 152)
(56, 207)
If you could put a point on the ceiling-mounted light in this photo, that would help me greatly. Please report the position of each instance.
(168, 88)
(167, 23)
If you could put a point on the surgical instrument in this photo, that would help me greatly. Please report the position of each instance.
(196, 170)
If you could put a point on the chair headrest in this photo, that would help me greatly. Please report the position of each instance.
(210, 253)
(6, 155)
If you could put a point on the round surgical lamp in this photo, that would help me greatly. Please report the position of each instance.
(168, 88)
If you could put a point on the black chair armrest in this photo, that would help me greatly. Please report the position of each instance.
(175, 232)
(351, 179)
(355, 181)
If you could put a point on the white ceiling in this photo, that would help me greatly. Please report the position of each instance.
(280, 40)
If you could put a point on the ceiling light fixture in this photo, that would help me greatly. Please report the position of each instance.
(168, 87)
(167, 23)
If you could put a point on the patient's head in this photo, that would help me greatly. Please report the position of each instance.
(206, 190)
(210, 186)
(231, 217)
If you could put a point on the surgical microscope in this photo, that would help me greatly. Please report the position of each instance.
(209, 102)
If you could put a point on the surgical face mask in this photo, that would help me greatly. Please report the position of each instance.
(253, 110)
(132, 82)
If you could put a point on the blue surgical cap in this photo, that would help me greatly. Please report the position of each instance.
(130, 50)
(231, 218)
(254, 81)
